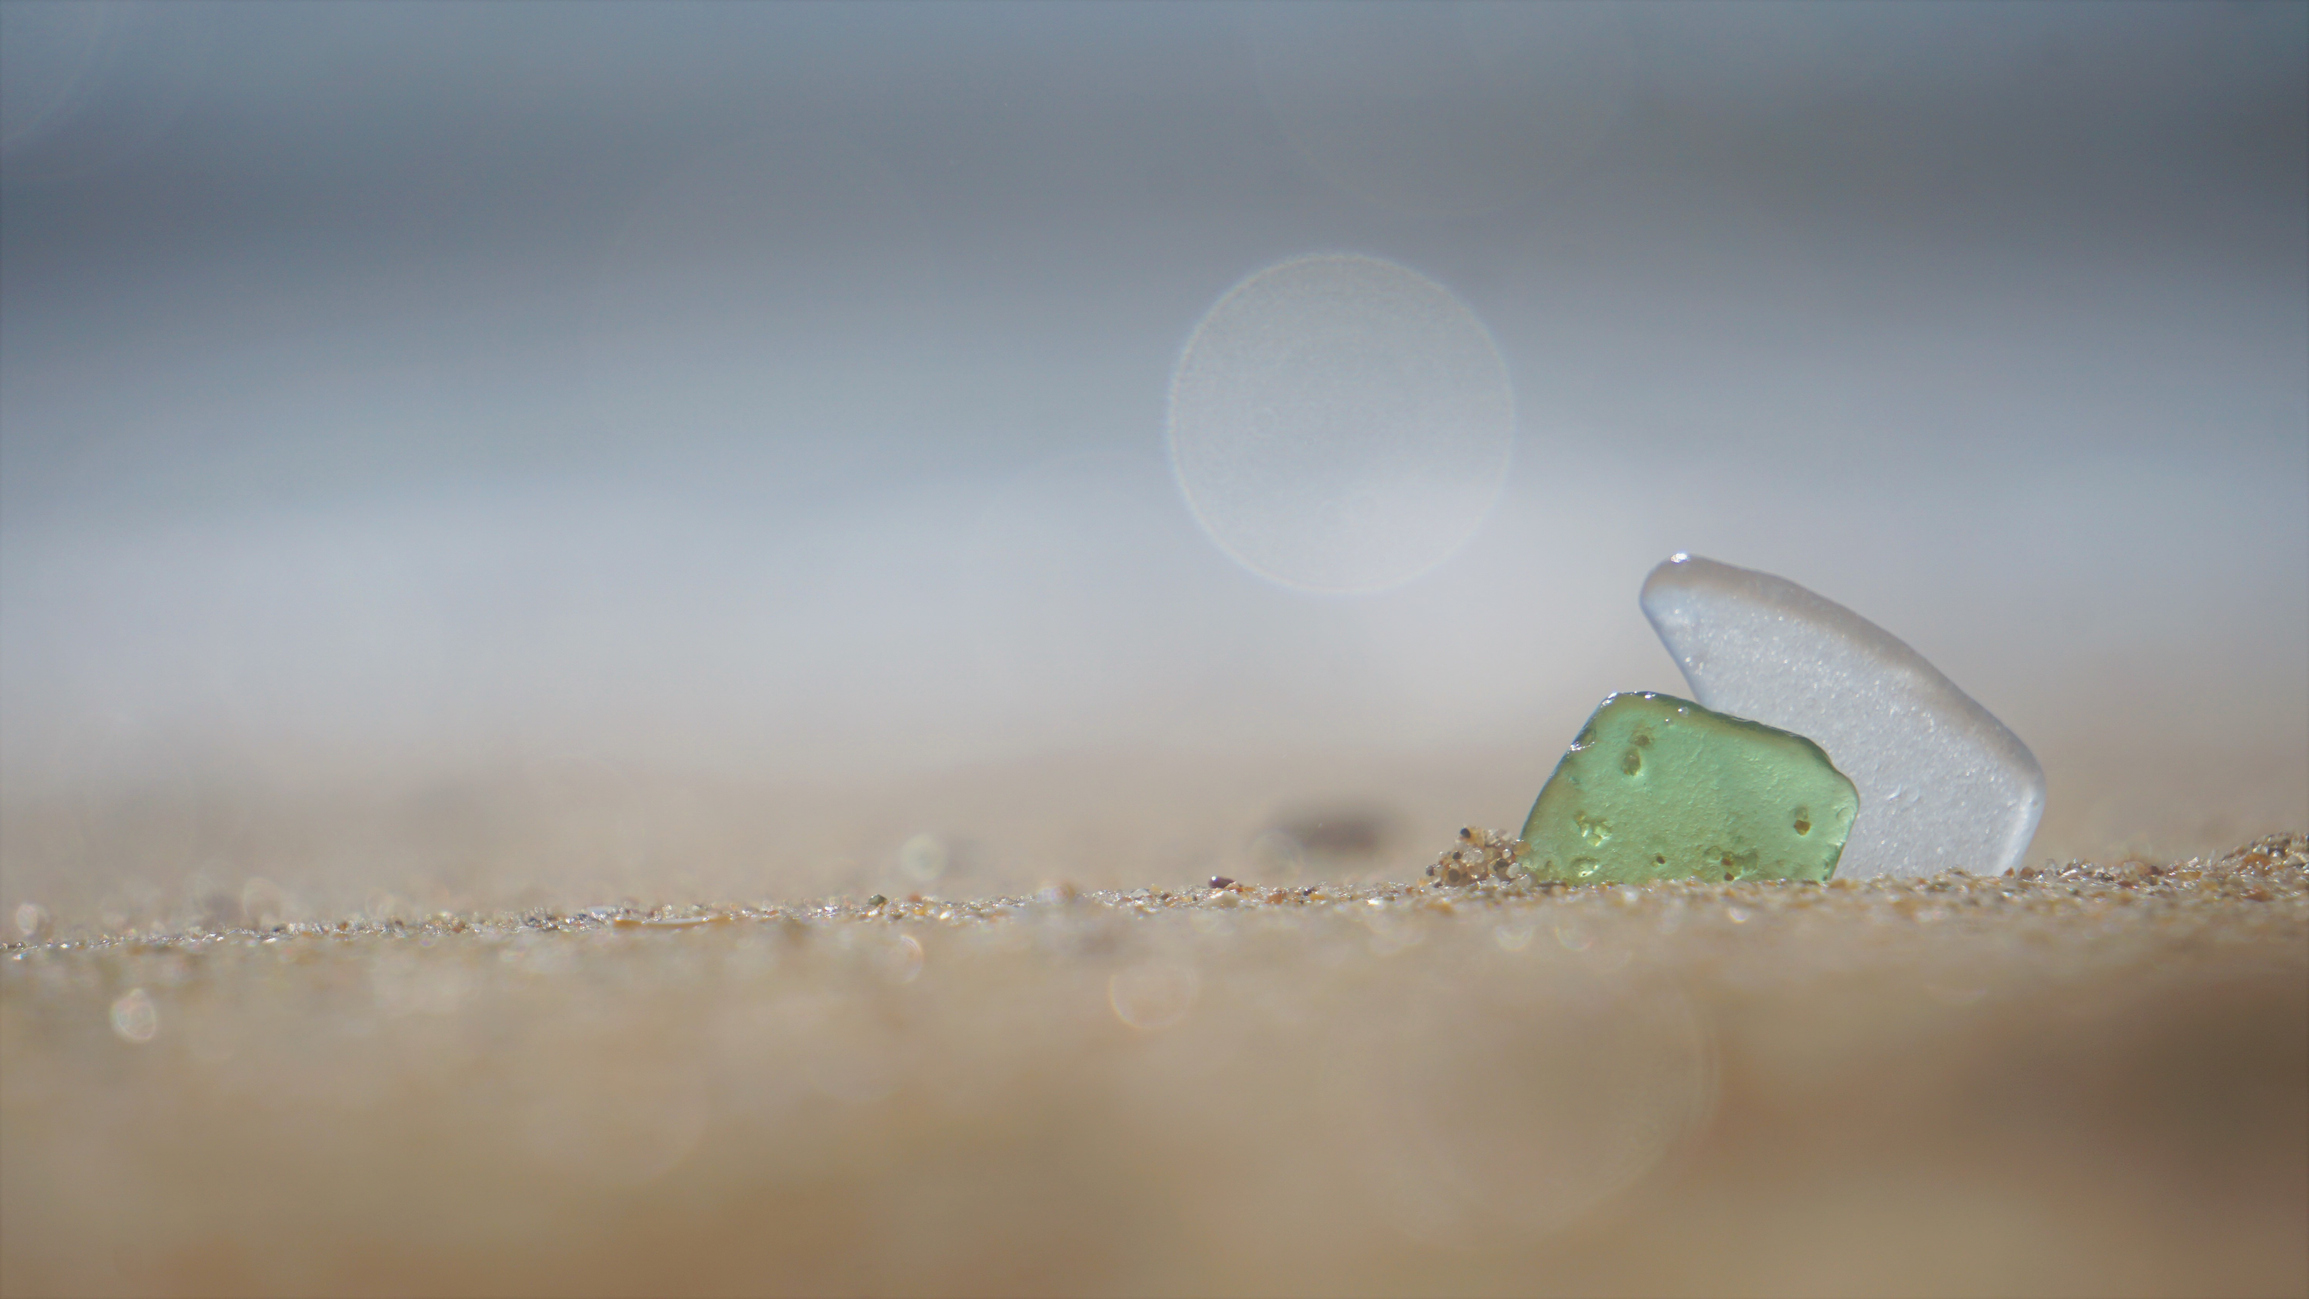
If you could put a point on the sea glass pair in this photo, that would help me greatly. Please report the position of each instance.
(1820, 745)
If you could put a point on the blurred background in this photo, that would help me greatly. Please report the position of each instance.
(472, 455)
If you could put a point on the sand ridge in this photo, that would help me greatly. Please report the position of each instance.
(2083, 1079)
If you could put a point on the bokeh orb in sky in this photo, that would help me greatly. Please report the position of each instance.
(1340, 423)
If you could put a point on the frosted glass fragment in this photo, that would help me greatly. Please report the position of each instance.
(1943, 785)
(1660, 788)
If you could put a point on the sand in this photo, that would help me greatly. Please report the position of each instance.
(2091, 1079)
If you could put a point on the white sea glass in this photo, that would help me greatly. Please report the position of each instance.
(1943, 785)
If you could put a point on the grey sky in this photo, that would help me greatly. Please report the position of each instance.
(789, 379)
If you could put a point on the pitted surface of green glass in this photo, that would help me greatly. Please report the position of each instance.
(1657, 787)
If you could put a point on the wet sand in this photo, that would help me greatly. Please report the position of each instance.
(2079, 1080)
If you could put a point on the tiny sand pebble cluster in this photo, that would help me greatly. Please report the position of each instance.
(1479, 855)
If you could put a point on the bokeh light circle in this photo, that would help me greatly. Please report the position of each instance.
(1340, 423)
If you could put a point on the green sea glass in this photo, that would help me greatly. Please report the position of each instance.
(1657, 787)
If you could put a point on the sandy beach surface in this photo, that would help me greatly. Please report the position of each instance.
(2079, 1079)
(631, 636)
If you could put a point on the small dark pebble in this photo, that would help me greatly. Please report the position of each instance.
(1221, 881)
